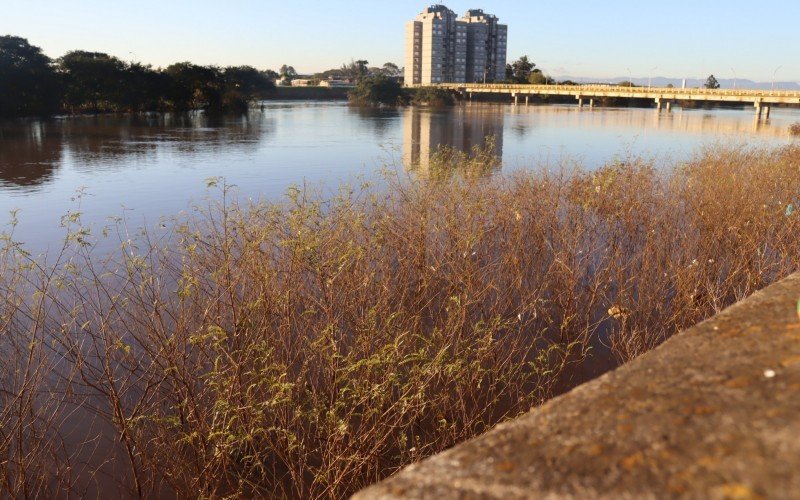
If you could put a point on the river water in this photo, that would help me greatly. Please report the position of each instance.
(143, 168)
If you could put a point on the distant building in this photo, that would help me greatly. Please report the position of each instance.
(337, 84)
(442, 48)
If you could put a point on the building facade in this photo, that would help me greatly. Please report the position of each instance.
(440, 48)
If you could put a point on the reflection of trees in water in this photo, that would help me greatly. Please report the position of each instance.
(462, 128)
(378, 120)
(29, 153)
(111, 142)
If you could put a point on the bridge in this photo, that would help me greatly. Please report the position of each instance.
(662, 96)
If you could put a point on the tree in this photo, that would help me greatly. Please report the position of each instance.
(94, 80)
(29, 85)
(243, 84)
(376, 90)
(287, 74)
(521, 69)
(538, 78)
(194, 86)
(356, 70)
(711, 82)
(391, 69)
(271, 75)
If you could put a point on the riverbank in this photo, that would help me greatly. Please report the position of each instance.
(314, 346)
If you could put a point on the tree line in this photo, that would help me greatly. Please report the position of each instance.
(32, 84)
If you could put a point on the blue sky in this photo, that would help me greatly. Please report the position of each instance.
(680, 38)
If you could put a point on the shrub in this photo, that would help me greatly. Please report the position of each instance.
(432, 96)
(311, 347)
(377, 90)
(794, 128)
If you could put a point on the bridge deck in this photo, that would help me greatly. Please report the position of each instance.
(662, 93)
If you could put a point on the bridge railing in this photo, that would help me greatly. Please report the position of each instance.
(645, 91)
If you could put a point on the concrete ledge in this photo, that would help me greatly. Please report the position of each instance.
(712, 413)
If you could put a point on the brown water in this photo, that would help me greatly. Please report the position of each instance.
(144, 168)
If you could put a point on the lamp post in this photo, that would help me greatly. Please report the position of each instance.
(650, 76)
(735, 77)
(630, 78)
(773, 76)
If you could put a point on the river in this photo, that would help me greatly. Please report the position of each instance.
(146, 167)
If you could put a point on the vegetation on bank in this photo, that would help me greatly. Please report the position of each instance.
(34, 85)
(311, 347)
(381, 90)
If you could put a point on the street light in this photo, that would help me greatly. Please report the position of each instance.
(735, 77)
(630, 78)
(650, 75)
(773, 76)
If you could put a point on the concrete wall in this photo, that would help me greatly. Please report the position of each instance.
(712, 413)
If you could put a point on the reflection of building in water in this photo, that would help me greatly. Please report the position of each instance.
(461, 128)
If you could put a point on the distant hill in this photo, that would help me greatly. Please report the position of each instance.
(661, 81)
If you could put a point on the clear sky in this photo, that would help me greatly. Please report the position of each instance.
(679, 38)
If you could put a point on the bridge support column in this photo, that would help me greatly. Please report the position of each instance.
(658, 103)
(669, 106)
(758, 109)
(516, 99)
(580, 101)
(591, 103)
(527, 99)
(766, 112)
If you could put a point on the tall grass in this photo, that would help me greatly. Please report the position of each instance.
(311, 347)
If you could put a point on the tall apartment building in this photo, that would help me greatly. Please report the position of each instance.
(436, 47)
(486, 46)
(442, 48)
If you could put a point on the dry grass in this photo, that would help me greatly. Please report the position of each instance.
(312, 347)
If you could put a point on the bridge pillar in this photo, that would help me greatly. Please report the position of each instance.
(527, 99)
(669, 106)
(591, 103)
(658, 103)
(766, 112)
(758, 109)
(516, 99)
(580, 101)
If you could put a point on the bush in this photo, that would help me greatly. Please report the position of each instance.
(794, 128)
(377, 90)
(432, 96)
(311, 347)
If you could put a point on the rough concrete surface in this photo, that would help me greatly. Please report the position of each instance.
(712, 413)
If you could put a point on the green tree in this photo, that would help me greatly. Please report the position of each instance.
(271, 75)
(377, 90)
(711, 82)
(94, 80)
(521, 69)
(356, 70)
(287, 74)
(244, 84)
(145, 89)
(391, 69)
(29, 84)
(538, 78)
(195, 87)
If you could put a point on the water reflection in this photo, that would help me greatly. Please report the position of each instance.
(30, 152)
(462, 128)
(156, 165)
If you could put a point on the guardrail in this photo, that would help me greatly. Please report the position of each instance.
(645, 91)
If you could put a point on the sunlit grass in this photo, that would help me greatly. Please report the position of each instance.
(311, 347)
